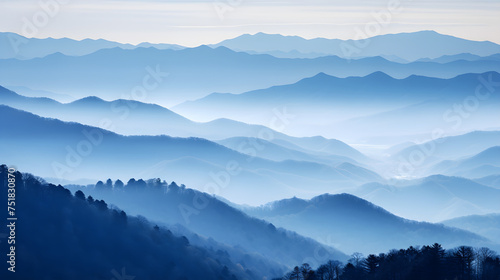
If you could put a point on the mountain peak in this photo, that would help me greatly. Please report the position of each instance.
(88, 100)
(378, 75)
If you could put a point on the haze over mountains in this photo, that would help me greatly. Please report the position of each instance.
(323, 216)
(355, 108)
(434, 198)
(276, 148)
(199, 212)
(214, 70)
(132, 118)
(73, 151)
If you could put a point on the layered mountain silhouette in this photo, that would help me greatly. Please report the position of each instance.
(78, 237)
(13, 45)
(366, 107)
(462, 56)
(166, 76)
(484, 164)
(407, 46)
(210, 218)
(451, 148)
(130, 117)
(433, 198)
(343, 220)
(485, 225)
(73, 151)
(246, 122)
(490, 181)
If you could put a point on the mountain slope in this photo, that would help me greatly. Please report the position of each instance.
(485, 225)
(433, 198)
(484, 164)
(375, 105)
(462, 56)
(130, 117)
(355, 225)
(103, 243)
(490, 181)
(208, 217)
(72, 151)
(448, 148)
(273, 151)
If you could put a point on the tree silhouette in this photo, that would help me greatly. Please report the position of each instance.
(118, 184)
(427, 263)
(109, 184)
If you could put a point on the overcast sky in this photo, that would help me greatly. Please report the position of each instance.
(192, 23)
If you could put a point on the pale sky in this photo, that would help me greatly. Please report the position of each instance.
(192, 23)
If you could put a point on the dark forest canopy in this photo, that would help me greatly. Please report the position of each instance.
(61, 236)
(429, 263)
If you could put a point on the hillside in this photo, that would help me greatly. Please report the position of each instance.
(53, 225)
(356, 225)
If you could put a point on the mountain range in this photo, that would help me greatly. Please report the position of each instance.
(73, 151)
(405, 46)
(448, 149)
(486, 163)
(13, 45)
(166, 77)
(434, 198)
(130, 117)
(486, 225)
(201, 213)
(354, 108)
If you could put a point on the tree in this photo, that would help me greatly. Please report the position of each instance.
(131, 183)
(491, 268)
(462, 258)
(295, 274)
(306, 270)
(334, 269)
(80, 195)
(154, 183)
(434, 257)
(350, 272)
(482, 254)
(99, 185)
(141, 184)
(356, 259)
(118, 184)
(322, 272)
(372, 263)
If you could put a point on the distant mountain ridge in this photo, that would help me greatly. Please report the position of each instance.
(483, 164)
(114, 73)
(462, 56)
(451, 148)
(408, 46)
(73, 151)
(13, 45)
(210, 218)
(434, 198)
(376, 105)
(130, 117)
(486, 225)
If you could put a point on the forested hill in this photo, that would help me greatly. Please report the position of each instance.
(76, 237)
